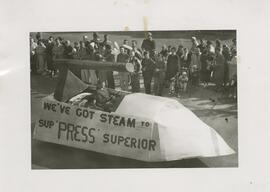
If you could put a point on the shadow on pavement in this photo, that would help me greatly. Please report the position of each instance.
(62, 157)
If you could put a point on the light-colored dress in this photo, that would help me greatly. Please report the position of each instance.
(41, 54)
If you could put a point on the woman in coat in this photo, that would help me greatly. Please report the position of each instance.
(218, 72)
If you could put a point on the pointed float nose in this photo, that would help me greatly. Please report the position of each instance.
(183, 135)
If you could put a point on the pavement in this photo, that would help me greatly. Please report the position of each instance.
(218, 112)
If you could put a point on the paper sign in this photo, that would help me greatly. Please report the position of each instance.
(109, 133)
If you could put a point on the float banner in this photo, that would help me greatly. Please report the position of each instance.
(109, 133)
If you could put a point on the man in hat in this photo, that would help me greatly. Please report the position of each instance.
(148, 44)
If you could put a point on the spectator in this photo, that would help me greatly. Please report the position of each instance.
(105, 42)
(148, 67)
(58, 50)
(194, 42)
(41, 54)
(85, 39)
(202, 45)
(218, 44)
(101, 75)
(62, 41)
(205, 68)
(75, 51)
(233, 45)
(227, 56)
(183, 81)
(164, 51)
(127, 48)
(49, 55)
(169, 50)
(173, 65)
(210, 59)
(180, 51)
(148, 44)
(159, 75)
(109, 74)
(138, 52)
(218, 72)
(33, 46)
(210, 47)
(122, 57)
(68, 51)
(125, 42)
(95, 42)
(69, 54)
(195, 66)
(185, 58)
(233, 75)
(89, 48)
(38, 36)
(88, 76)
(135, 76)
(82, 51)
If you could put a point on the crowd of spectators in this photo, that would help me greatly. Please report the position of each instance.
(177, 68)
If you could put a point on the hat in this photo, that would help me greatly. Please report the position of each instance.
(149, 34)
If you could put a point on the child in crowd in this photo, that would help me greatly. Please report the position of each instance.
(183, 80)
(172, 86)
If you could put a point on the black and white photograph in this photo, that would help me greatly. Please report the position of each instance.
(136, 99)
(134, 96)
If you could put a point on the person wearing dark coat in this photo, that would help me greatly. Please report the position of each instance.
(173, 65)
(159, 75)
(148, 44)
(205, 67)
(148, 68)
(227, 56)
(109, 74)
(49, 55)
(68, 51)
